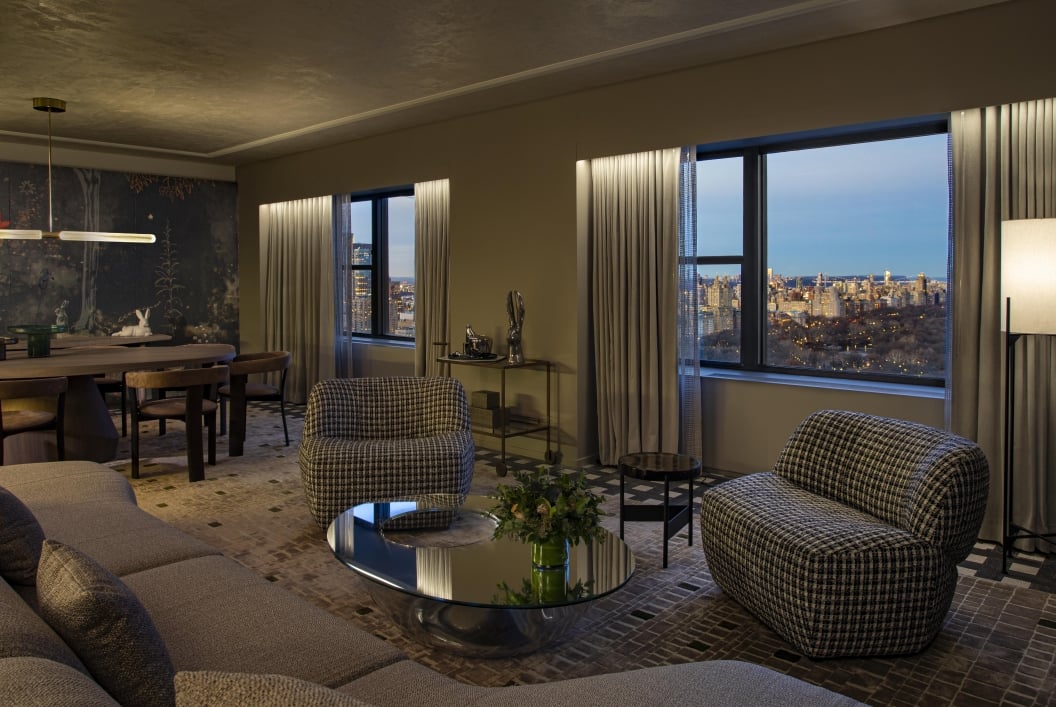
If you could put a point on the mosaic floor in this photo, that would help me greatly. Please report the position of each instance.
(997, 646)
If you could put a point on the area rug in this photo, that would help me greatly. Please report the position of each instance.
(997, 646)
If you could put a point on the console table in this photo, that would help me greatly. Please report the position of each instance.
(515, 426)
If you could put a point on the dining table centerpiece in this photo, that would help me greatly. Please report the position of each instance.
(549, 509)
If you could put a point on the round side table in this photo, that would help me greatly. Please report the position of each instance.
(666, 467)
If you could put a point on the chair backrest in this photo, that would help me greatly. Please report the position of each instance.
(930, 482)
(32, 388)
(397, 407)
(264, 362)
(177, 378)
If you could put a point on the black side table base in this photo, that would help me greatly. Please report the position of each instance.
(659, 467)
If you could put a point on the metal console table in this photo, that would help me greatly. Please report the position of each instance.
(512, 426)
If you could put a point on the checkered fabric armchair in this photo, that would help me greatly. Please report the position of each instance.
(376, 439)
(850, 546)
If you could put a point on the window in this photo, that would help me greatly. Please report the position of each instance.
(826, 254)
(374, 256)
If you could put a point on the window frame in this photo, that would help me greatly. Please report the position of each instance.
(380, 282)
(753, 257)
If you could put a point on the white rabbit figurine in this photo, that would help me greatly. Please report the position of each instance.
(141, 329)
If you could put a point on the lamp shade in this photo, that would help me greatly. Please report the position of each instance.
(1028, 275)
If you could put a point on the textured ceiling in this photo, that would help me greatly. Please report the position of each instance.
(232, 81)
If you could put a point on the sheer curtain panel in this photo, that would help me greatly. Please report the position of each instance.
(688, 308)
(431, 262)
(635, 233)
(1004, 167)
(297, 280)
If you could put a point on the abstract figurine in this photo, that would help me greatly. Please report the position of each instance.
(515, 309)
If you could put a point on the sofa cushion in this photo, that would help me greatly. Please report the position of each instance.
(214, 614)
(20, 540)
(716, 682)
(62, 483)
(43, 683)
(105, 625)
(119, 535)
(24, 633)
(215, 689)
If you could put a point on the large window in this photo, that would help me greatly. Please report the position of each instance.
(374, 244)
(827, 254)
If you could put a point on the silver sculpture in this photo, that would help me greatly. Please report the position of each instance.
(515, 309)
(477, 345)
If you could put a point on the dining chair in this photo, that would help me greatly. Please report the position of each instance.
(197, 404)
(14, 422)
(243, 366)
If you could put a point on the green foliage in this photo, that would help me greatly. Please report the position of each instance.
(544, 505)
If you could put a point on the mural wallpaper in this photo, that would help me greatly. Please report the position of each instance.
(188, 279)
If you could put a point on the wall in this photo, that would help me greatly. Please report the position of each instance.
(188, 280)
(513, 183)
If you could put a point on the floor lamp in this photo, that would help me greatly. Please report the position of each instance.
(1028, 283)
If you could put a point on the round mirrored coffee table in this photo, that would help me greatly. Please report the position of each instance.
(433, 565)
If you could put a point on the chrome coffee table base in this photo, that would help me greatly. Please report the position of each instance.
(433, 565)
(478, 631)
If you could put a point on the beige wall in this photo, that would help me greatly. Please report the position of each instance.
(513, 186)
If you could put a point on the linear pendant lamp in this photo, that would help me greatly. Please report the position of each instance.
(49, 106)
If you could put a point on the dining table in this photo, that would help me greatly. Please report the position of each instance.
(89, 430)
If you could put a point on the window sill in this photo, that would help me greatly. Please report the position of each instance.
(386, 343)
(900, 389)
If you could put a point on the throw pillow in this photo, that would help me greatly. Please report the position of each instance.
(106, 625)
(216, 689)
(20, 540)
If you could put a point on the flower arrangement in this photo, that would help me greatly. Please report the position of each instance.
(546, 506)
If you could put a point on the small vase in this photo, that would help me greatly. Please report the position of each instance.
(551, 553)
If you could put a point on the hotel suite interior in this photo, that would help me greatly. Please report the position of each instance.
(262, 104)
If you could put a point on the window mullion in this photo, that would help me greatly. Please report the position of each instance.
(753, 282)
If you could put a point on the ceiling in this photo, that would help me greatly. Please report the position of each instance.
(235, 81)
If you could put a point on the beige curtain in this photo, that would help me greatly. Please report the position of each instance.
(431, 263)
(297, 281)
(634, 230)
(1004, 167)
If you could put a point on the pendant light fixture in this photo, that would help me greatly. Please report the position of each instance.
(49, 106)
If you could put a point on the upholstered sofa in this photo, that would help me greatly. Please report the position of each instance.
(850, 545)
(378, 439)
(227, 635)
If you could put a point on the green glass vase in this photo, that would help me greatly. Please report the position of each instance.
(549, 584)
(550, 553)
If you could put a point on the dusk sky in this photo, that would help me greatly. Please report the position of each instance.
(852, 209)
(401, 232)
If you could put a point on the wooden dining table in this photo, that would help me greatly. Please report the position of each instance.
(90, 431)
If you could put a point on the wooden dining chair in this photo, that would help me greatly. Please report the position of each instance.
(240, 389)
(195, 406)
(14, 422)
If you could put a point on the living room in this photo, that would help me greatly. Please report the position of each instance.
(516, 211)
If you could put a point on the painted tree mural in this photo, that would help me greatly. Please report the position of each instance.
(188, 278)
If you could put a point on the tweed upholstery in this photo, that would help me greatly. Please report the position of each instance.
(20, 540)
(377, 439)
(101, 619)
(850, 545)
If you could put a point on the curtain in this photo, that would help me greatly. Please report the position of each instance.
(431, 262)
(688, 324)
(344, 293)
(1004, 167)
(297, 281)
(635, 267)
